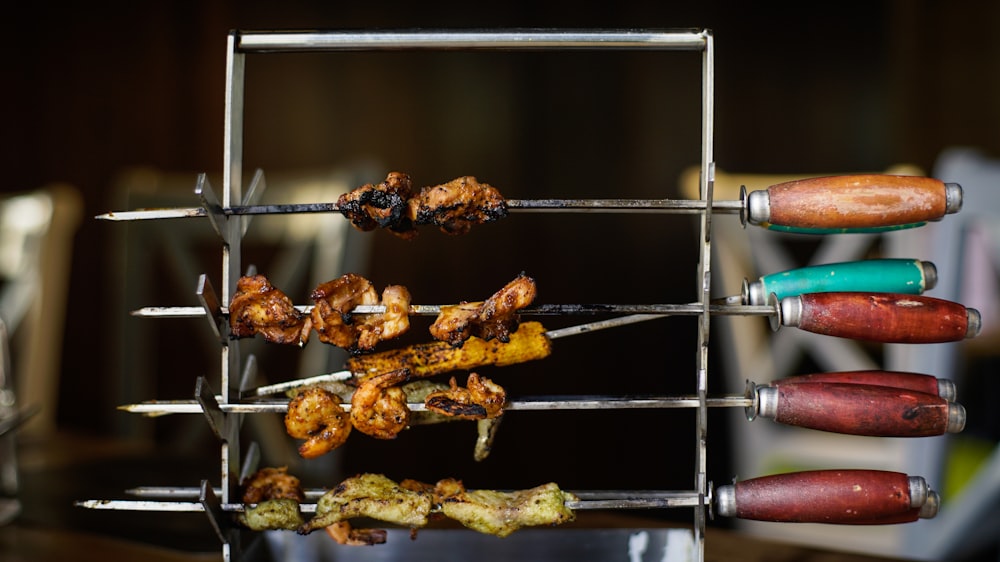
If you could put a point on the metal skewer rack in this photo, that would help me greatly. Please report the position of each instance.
(224, 411)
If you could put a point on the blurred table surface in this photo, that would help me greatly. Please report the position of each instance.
(50, 527)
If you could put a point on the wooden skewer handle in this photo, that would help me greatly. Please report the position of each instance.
(824, 496)
(854, 202)
(861, 409)
(881, 317)
(926, 511)
(918, 382)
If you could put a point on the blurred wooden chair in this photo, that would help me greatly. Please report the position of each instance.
(36, 247)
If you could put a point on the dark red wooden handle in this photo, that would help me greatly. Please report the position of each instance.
(895, 379)
(862, 409)
(860, 201)
(884, 317)
(824, 496)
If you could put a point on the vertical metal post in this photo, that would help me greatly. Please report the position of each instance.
(231, 270)
(704, 278)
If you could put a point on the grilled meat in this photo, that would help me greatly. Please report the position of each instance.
(457, 205)
(373, 496)
(392, 205)
(344, 533)
(385, 205)
(316, 415)
(334, 324)
(258, 308)
(496, 317)
(411, 503)
(271, 500)
(480, 400)
(378, 406)
(501, 513)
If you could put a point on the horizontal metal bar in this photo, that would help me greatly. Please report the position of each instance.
(689, 309)
(588, 500)
(521, 39)
(166, 407)
(669, 206)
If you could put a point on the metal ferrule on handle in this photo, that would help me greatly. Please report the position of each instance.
(862, 202)
(878, 317)
(903, 276)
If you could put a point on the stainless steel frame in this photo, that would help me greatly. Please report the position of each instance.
(222, 411)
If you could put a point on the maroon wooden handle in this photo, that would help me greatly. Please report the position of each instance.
(883, 317)
(861, 201)
(896, 379)
(824, 496)
(862, 409)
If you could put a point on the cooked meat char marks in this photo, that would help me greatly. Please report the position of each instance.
(334, 324)
(496, 317)
(453, 207)
(315, 414)
(457, 205)
(259, 308)
(481, 399)
(270, 484)
(412, 503)
(385, 205)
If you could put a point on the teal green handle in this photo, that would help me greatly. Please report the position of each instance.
(822, 231)
(903, 276)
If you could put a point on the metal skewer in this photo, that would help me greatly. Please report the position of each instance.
(526, 205)
(165, 407)
(689, 309)
(588, 500)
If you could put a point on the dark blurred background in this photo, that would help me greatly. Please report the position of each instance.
(92, 91)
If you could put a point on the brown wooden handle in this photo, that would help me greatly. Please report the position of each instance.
(881, 317)
(822, 496)
(859, 409)
(860, 201)
(918, 382)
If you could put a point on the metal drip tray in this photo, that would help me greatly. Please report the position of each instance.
(446, 545)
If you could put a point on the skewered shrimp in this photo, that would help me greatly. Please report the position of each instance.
(481, 399)
(316, 415)
(378, 407)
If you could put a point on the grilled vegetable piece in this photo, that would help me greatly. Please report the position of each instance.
(423, 360)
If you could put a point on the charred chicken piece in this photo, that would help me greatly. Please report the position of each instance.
(271, 500)
(411, 503)
(496, 317)
(385, 205)
(334, 324)
(481, 399)
(374, 496)
(271, 484)
(316, 415)
(501, 513)
(258, 308)
(457, 205)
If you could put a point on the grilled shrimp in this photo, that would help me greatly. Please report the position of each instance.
(316, 415)
(378, 407)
